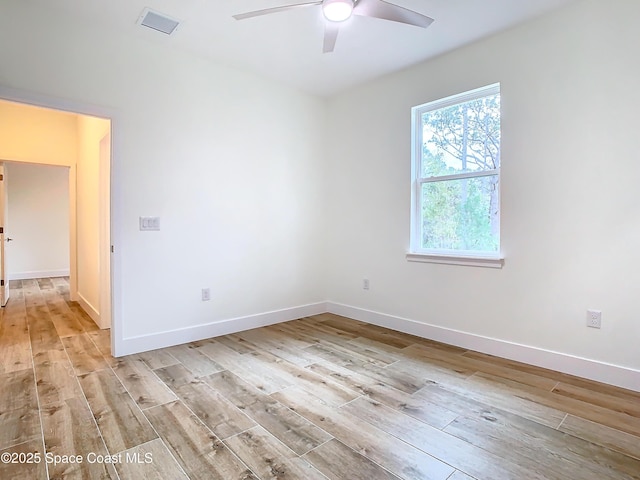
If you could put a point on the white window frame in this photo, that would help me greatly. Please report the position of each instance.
(455, 257)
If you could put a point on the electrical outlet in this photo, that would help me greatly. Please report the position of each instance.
(206, 294)
(594, 318)
(365, 283)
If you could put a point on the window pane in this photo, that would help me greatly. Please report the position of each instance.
(461, 214)
(461, 138)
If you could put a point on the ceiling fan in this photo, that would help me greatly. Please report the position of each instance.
(336, 11)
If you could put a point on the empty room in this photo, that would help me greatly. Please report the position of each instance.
(337, 239)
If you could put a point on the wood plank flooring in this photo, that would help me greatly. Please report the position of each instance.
(323, 397)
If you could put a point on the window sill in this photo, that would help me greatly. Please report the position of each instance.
(469, 261)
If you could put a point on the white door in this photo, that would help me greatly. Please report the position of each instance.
(4, 281)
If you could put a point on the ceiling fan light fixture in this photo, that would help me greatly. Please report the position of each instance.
(337, 10)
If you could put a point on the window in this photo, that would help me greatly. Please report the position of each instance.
(456, 177)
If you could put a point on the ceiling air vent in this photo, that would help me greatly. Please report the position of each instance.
(157, 21)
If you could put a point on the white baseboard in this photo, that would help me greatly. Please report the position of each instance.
(90, 309)
(144, 343)
(582, 367)
(38, 274)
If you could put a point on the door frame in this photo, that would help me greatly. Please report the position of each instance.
(104, 229)
(4, 207)
(73, 257)
(84, 108)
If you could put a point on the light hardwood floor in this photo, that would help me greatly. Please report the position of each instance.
(316, 398)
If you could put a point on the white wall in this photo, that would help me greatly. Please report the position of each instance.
(570, 228)
(229, 161)
(37, 135)
(38, 220)
(91, 130)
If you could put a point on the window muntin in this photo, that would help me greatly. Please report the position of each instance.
(456, 175)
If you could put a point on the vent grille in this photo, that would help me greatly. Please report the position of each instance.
(158, 21)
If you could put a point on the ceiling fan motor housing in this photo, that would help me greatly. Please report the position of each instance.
(337, 10)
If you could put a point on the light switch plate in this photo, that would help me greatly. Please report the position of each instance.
(149, 223)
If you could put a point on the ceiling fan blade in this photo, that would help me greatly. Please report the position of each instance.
(388, 11)
(331, 30)
(267, 11)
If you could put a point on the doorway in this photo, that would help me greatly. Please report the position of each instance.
(80, 142)
(35, 208)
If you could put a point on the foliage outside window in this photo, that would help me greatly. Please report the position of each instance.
(456, 175)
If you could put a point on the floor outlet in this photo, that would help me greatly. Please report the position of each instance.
(594, 318)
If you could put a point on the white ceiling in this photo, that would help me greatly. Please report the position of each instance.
(287, 46)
